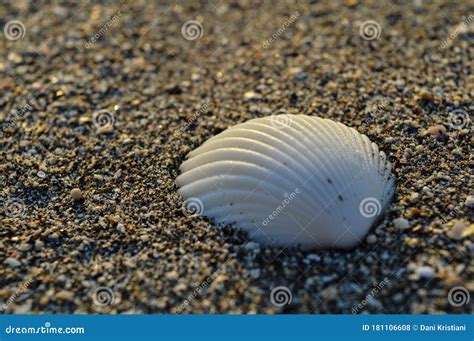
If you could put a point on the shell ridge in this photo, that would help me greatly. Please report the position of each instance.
(325, 169)
(318, 183)
(355, 169)
(326, 138)
(231, 179)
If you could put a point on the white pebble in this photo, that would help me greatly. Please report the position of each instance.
(458, 229)
(371, 239)
(252, 246)
(250, 95)
(121, 228)
(470, 201)
(313, 257)
(401, 223)
(425, 271)
(13, 262)
(414, 197)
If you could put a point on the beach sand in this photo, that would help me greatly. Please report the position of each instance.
(100, 104)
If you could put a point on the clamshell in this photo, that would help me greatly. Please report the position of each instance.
(290, 181)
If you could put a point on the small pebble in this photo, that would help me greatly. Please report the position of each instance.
(425, 95)
(252, 246)
(425, 272)
(65, 295)
(459, 230)
(313, 257)
(172, 275)
(401, 223)
(76, 194)
(13, 262)
(436, 130)
(24, 247)
(251, 95)
(414, 197)
(398, 297)
(38, 244)
(120, 228)
(457, 151)
(44, 300)
(470, 201)
(419, 148)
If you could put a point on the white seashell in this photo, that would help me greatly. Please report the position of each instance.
(290, 180)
